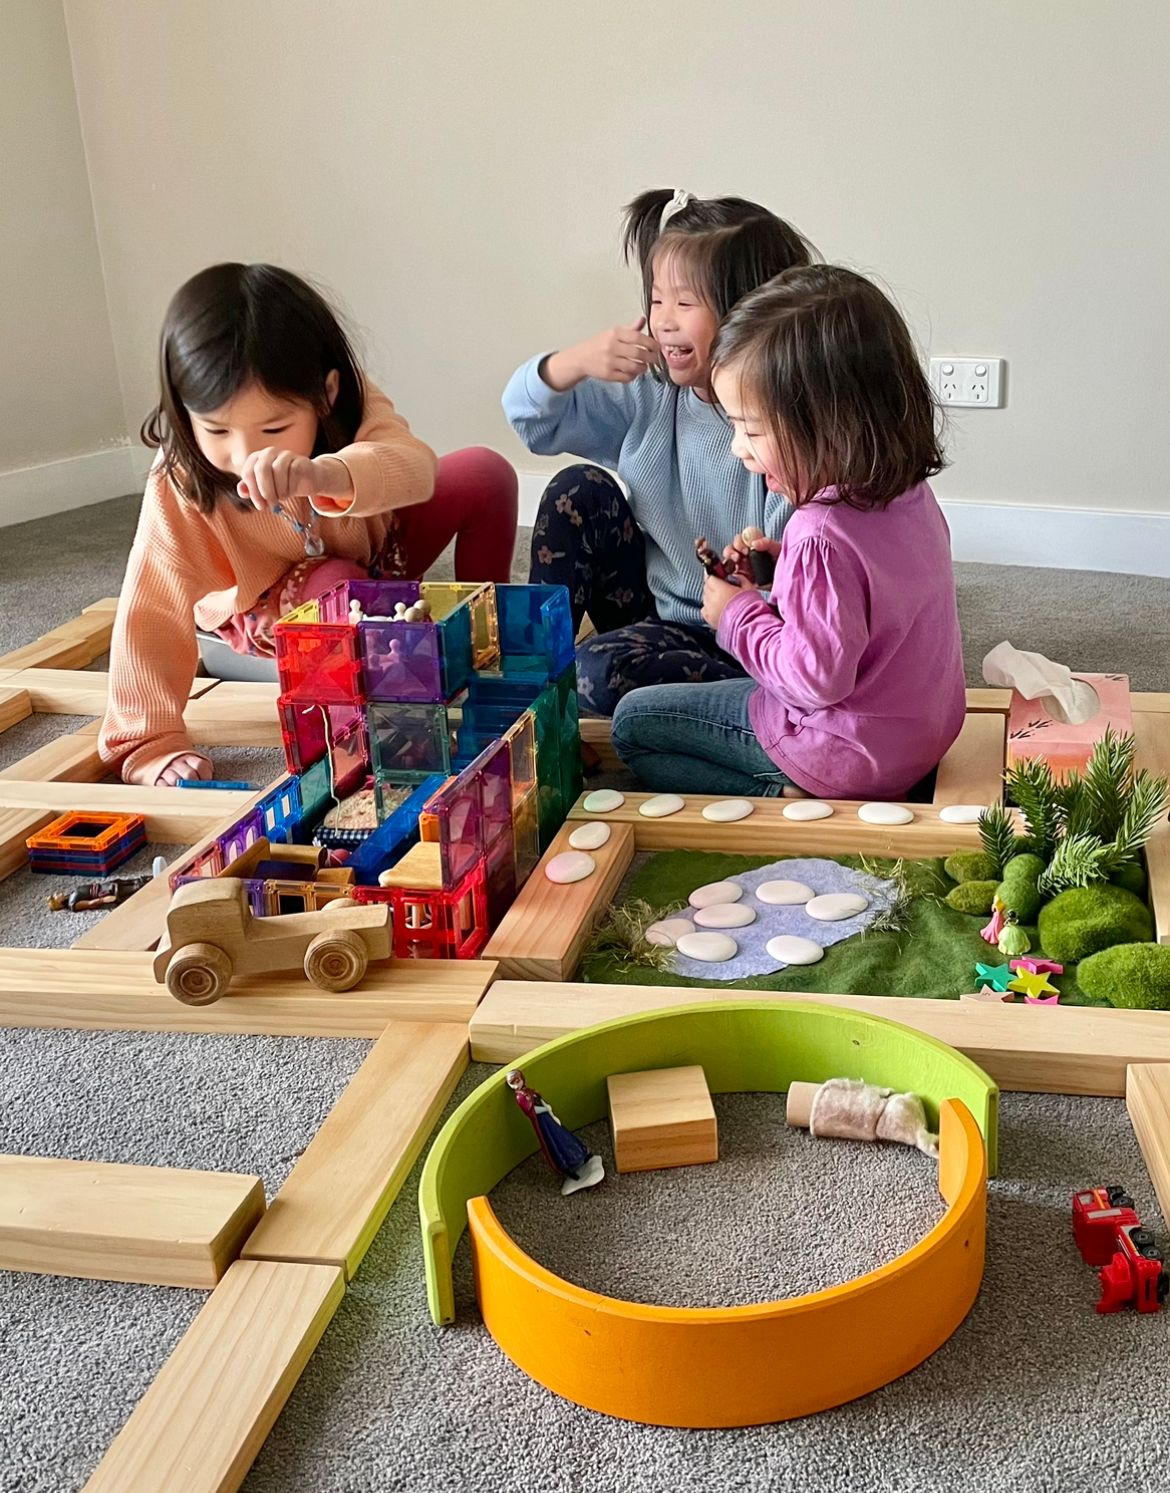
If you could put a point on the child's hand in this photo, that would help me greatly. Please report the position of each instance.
(716, 595)
(187, 765)
(273, 476)
(618, 355)
(739, 546)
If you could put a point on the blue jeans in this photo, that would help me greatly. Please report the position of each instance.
(695, 738)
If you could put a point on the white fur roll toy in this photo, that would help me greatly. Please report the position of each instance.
(848, 1109)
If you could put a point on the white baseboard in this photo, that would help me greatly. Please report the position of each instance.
(1020, 534)
(59, 486)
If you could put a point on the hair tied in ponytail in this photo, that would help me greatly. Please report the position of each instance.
(676, 204)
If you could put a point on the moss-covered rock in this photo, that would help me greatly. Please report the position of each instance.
(1019, 889)
(972, 896)
(1085, 919)
(1132, 878)
(1135, 976)
(971, 865)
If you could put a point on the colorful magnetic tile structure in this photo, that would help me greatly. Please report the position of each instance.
(86, 844)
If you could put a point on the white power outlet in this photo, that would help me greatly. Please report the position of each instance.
(973, 382)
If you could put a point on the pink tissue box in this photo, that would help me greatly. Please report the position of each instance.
(1033, 733)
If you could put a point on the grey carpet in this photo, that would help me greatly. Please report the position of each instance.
(1034, 1391)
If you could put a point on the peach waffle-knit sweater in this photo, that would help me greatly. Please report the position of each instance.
(187, 567)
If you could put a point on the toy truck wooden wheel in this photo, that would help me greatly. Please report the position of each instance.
(336, 961)
(199, 974)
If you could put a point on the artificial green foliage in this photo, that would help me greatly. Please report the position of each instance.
(1083, 920)
(1094, 823)
(971, 865)
(1135, 976)
(972, 896)
(1020, 888)
(997, 831)
(1131, 877)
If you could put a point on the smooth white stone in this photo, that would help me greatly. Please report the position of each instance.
(884, 814)
(728, 810)
(725, 915)
(784, 893)
(590, 836)
(570, 865)
(667, 931)
(792, 950)
(806, 808)
(832, 907)
(711, 948)
(714, 892)
(661, 805)
(603, 801)
(962, 813)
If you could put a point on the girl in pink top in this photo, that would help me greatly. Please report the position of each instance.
(281, 470)
(856, 686)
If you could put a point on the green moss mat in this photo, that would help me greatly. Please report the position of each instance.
(934, 957)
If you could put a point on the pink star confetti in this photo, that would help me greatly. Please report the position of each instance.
(1037, 966)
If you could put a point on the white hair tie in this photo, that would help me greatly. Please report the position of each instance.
(676, 204)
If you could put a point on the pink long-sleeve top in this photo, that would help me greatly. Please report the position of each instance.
(858, 655)
(187, 567)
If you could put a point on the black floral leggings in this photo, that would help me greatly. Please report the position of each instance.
(585, 538)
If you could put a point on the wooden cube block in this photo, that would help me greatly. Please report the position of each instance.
(661, 1118)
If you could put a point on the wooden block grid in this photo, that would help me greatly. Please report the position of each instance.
(210, 1407)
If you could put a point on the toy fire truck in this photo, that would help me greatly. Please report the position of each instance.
(1109, 1233)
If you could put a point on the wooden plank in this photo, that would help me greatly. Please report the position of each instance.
(234, 714)
(101, 990)
(106, 604)
(67, 652)
(174, 816)
(338, 1194)
(972, 771)
(15, 828)
(1033, 1049)
(1153, 751)
(15, 705)
(104, 1221)
(596, 733)
(543, 934)
(990, 699)
(1147, 1098)
(767, 831)
(200, 1424)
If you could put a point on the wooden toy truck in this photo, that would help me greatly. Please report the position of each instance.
(212, 934)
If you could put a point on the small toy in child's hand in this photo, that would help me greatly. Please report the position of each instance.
(762, 565)
(708, 559)
(1109, 1233)
(564, 1151)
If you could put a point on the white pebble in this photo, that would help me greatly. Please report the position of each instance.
(667, 931)
(714, 892)
(570, 865)
(709, 948)
(728, 810)
(603, 801)
(590, 836)
(806, 808)
(789, 949)
(962, 813)
(834, 906)
(884, 814)
(725, 915)
(784, 893)
(661, 805)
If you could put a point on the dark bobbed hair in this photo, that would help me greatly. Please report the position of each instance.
(235, 324)
(830, 365)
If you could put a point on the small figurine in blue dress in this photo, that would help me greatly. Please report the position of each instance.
(563, 1151)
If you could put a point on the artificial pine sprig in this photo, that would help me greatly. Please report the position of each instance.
(998, 835)
(1033, 789)
(1108, 784)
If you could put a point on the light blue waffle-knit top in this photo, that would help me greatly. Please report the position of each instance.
(673, 452)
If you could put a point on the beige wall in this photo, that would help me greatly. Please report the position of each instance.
(454, 171)
(59, 394)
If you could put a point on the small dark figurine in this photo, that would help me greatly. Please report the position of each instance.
(91, 895)
(708, 559)
(563, 1151)
(761, 563)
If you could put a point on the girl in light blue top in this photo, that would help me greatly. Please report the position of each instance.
(636, 399)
